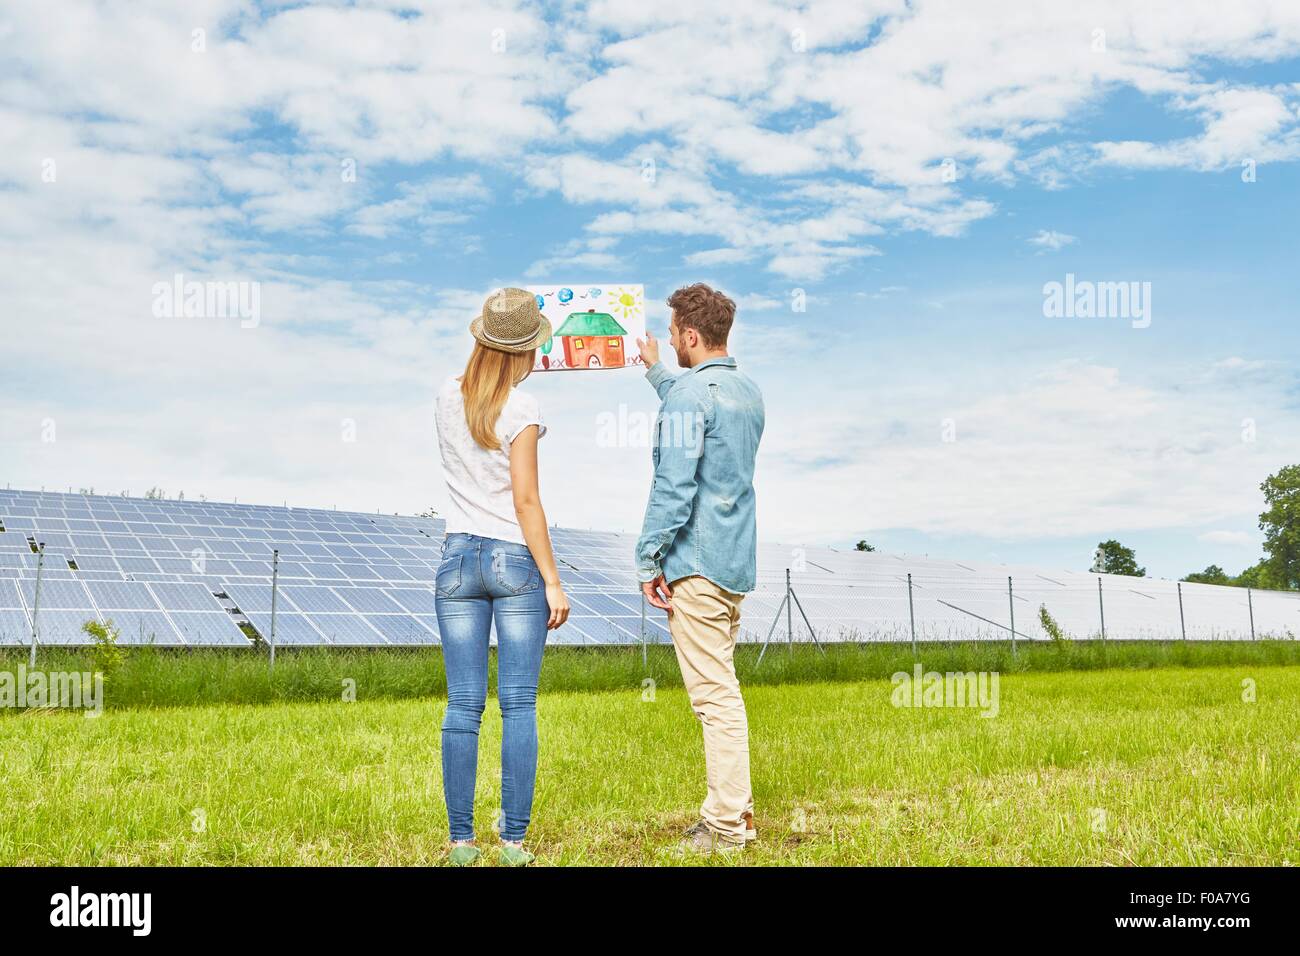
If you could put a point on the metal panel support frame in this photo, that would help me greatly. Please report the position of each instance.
(911, 613)
(1101, 609)
(788, 603)
(1011, 604)
(1182, 621)
(36, 601)
(275, 587)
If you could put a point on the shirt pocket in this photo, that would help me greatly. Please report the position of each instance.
(448, 579)
(516, 573)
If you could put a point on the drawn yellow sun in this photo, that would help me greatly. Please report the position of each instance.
(626, 302)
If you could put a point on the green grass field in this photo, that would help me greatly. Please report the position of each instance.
(1162, 765)
(161, 678)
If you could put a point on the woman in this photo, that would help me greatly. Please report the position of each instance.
(497, 564)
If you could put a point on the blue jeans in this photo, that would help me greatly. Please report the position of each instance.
(481, 579)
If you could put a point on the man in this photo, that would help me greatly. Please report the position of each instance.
(696, 554)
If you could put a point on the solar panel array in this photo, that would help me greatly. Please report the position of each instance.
(180, 573)
(193, 573)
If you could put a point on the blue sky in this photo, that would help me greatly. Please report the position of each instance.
(794, 147)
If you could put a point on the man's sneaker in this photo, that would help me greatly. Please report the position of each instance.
(702, 840)
(750, 832)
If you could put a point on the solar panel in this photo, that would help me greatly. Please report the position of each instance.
(58, 626)
(416, 600)
(344, 629)
(121, 595)
(369, 600)
(249, 597)
(15, 628)
(208, 629)
(290, 628)
(184, 596)
(313, 598)
(405, 629)
(141, 627)
(57, 594)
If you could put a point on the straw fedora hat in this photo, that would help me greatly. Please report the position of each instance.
(511, 322)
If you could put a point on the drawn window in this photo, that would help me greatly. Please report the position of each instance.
(577, 343)
(615, 343)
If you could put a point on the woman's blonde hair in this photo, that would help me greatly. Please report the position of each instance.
(489, 377)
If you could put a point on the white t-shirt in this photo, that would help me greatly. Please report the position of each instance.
(478, 480)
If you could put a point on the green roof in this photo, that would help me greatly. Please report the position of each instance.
(590, 323)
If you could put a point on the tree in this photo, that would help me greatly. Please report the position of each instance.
(1211, 575)
(1259, 576)
(1114, 558)
(863, 546)
(1280, 523)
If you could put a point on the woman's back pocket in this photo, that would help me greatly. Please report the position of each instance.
(517, 573)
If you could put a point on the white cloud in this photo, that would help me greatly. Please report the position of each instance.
(1051, 239)
(754, 302)
(1233, 539)
(381, 220)
(1056, 450)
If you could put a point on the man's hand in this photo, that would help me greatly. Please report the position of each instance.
(659, 593)
(649, 349)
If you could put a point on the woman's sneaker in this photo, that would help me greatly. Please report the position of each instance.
(463, 854)
(514, 854)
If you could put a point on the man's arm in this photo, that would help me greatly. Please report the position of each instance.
(673, 494)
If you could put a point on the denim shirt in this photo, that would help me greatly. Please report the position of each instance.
(700, 519)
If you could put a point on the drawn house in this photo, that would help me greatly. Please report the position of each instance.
(592, 340)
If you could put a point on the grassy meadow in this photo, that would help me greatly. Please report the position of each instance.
(150, 677)
(1153, 762)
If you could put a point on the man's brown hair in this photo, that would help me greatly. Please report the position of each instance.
(708, 312)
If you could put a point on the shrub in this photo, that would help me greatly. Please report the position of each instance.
(105, 654)
(1053, 629)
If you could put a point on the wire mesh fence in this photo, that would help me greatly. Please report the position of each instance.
(930, 606)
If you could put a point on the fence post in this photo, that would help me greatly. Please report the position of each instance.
(1182, 621)
(789, 614)
(275, 586)
(644, 664)
(36, 601)
(1251, 605)
(911, 612)
(1101, 606)
(1011, 602)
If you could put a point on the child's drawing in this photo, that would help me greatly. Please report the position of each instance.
(594, 326)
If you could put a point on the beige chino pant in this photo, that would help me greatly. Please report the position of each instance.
(704, 624)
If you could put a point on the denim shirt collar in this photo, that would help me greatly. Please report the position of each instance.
(728, 361)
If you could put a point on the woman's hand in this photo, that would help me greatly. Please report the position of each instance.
(559, 605)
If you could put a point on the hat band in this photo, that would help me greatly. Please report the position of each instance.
(519, 341)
